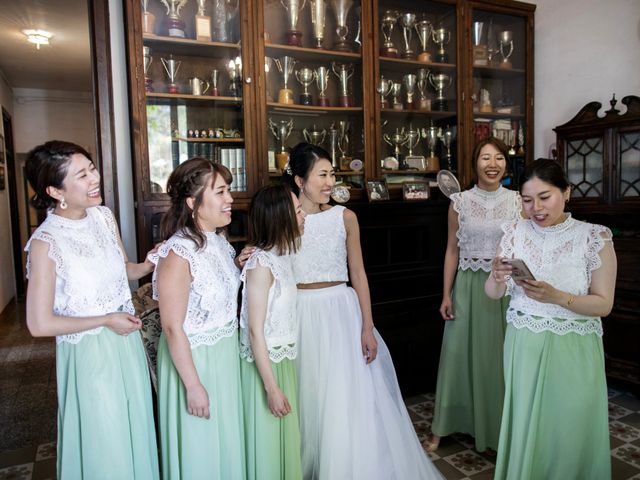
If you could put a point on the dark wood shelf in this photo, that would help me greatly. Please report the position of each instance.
(497, 72)
(427, 113)
(498, 115)
(159, 98)
(211, 140)
(190, 47)
(285, 107)
(401, 65)
(308, 54)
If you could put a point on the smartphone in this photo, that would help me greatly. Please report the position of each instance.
(520, 270)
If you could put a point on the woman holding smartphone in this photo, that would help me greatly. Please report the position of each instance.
(470, 380)
(555, 416)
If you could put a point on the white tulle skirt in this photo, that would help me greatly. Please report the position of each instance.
(353, 421)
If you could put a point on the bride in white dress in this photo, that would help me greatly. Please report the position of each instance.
(353, 421)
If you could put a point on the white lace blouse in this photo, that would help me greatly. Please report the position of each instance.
(564, 256)
(280, 326)
(213, 293)
(480, 216)
(91, 275)
(323, 251)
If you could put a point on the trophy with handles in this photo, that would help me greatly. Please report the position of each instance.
(396, 140)
(148, 19)
(408, 23)
(344, 71)
(432, 135)
(440, 82)
(383, 88)
(341, 10)
(306, 76)
(174, 24)
(322, 82)
(314, 136)
(171, 67)
(441, 37)
(409, 82)
(506, 44)
(412, 141)
(281, 131)
(387, 24)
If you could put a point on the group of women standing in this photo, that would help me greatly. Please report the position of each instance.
(306, 390)
(522, 362)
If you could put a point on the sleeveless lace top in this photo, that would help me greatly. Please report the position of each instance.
(212, 305)
(323, 252)
(480, 218)
(91, 276)
(564, 256)
(280, 326)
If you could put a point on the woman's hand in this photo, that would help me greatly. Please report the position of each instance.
(446, 308)
(278, 403)
(500, 271)
(244, 255)
(369, 345)
(541, 291)
(198, 401)
(123, 323)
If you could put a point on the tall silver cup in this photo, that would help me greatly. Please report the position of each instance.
(318, 20)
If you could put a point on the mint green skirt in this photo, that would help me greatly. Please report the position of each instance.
(193, 447)
(470, 387)
(272, 444)
(555, 420)
(105, 412)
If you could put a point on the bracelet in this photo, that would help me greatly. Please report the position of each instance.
(571, 300)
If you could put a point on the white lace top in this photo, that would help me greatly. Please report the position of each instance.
(280, 326)
(564, 256)
(213, 293)
(323, 252)
(480, 216)
(91, 276)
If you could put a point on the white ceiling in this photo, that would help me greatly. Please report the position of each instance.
(64, 64)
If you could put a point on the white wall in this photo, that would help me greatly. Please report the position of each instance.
(7, 278)
(585, 50)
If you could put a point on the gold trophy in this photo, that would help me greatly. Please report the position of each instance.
(285, 66)
(281, 132)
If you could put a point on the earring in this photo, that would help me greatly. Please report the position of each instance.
(63, 204)
(302, 189)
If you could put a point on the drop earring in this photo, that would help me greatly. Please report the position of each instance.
(63, 204)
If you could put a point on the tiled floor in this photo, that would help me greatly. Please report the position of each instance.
(28, 415)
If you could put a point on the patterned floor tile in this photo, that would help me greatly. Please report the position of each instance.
(423, 429)
(627, 453)
(464, 439)
(627, 400)
(46, 451)
(424, 409)
(468, 462)
(618, 411)
(17, 472)
(623, 431)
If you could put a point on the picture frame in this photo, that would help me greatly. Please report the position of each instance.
(377, 190)
(413, 191)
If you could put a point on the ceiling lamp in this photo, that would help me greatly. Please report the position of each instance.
(39, 37)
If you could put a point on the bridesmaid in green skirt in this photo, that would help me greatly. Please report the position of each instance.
(470, 381)
(268, 335)
(196, 282)
(79, 284)
(555, 417)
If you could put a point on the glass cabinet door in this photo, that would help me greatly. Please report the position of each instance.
(416, 85)
(499, 89)
(194, 89)
(314, 84)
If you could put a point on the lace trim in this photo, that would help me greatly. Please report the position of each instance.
(212, 337)
(559, 326)
(74, 338)
(596, 244)
(276, 354)
(260, 257)
(475, 264)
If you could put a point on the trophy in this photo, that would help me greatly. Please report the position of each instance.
(314, 136)
(215, 77)
(388, 22)
(197, 86)
(408, 22)
(411, 160)
(422, 83)
(293, 8)
(341, 9)
(384, 88)
(175, 25)
(344, 71)
(268, 65)
(396, 140)
(344, 128)
(440, 82)
(234, 68)
(223, 12)
(203, 23)
(441, 37)
(506, 41)
(147, 59)
(520, 139)
(492, 46)
(285, 67)
(423, 29)
(447, 138)
(148, 19)
(396, 103)
(281, 132)
(306, 76)
(409, 82)
(318, 18)
(322, 82)
(431, 134)
(334, 140)
(171, 67)
(480, 51)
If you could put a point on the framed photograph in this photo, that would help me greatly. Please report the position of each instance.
(377, 190)
(1, 177)
(415, 191)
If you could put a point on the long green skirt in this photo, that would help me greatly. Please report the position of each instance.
(272, 444)
(198, 448)
(470, 387)
(555, 420)
(105, 412)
